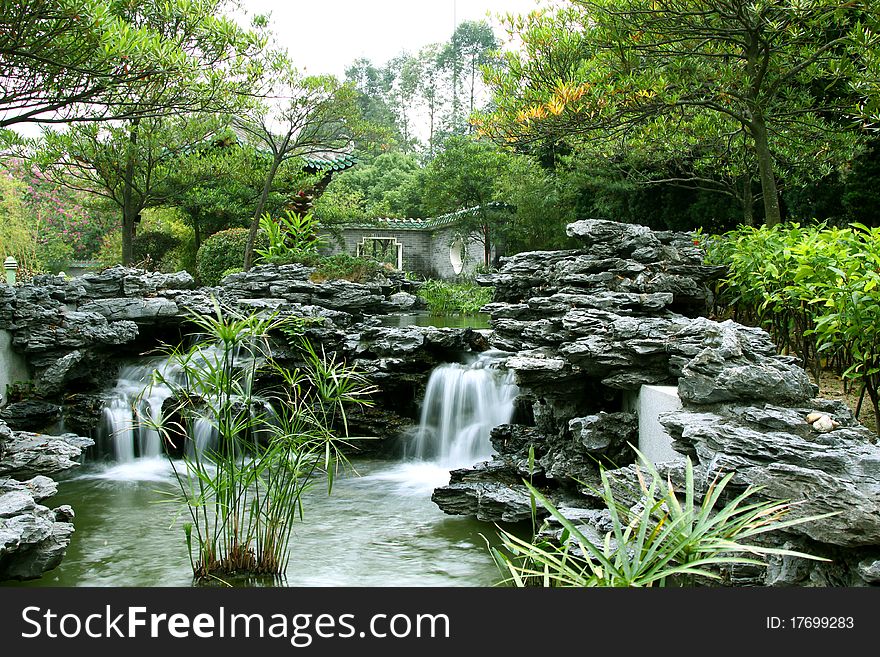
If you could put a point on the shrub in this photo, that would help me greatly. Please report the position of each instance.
(447, 298)
(289, 237)
(663, 540)
(816, 289)
(345, 267)
(222, 251)
(154, 245)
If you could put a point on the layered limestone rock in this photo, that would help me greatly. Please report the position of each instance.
(589, 327)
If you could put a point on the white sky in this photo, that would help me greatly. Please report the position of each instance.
(325, 36)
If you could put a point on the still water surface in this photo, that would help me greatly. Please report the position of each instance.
(378, 528)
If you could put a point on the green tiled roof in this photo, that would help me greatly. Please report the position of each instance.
(428, 223)
(329, 161)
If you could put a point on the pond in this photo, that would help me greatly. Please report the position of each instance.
(379, 527)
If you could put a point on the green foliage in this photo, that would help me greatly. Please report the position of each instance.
(290, 236)
(54, 255)
(384, 187)
(108, 59)
(222, 251)
(16, 232)
(153, 246)
(816, 289)
(636, 82)
(110, 253)
(664, 540)
(345, 267)
(243, 498)
(445, 298)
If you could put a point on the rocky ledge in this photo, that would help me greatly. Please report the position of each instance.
(33, 537)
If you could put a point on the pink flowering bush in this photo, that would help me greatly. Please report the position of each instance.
(61, 217)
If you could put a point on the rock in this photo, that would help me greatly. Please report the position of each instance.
(142, 310)
(825, 473)
(29, 454)
(733, 362)
(612, 238)
(30, 415)
(33, 538)
(52, 379)
(598, 434)
(404, 301)
(869, 570)
(39, 488)
(148, 283)
(487, 492)
(15, 503)
(73, 330)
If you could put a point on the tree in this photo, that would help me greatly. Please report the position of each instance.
(469, 48)
(84, 60)
(777, 70)
(318, 116)
(381, 189)
(134, 166)
(122, 159)
(464, 176)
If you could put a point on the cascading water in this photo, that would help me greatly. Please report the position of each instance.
(135, 405)
(462, 404)
(136, 396)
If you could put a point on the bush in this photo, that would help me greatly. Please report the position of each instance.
(816, 289)
(290, 237)
(170, 222)
(154, 245)
(447, 298)
(345, 267)
(223, 251)
(667, 539)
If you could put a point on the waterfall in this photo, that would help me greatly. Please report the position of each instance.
(133, 401)
(134, 406)
(462, 404)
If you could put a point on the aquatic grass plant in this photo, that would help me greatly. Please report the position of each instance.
(662, 541)
(465, 297)
(244, 495)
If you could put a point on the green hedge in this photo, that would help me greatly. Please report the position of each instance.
(223, 251)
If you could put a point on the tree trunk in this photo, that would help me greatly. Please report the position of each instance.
(748, 201)
(487, 246)
(130, 209)
(772, 214)
(473, 76)
(255, 223)
(197, 232)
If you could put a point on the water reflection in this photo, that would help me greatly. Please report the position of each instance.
(378, 528)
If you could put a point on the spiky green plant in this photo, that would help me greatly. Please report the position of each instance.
(664, 540)
(244, 496)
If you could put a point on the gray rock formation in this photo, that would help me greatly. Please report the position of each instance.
(587, 326)
(28, 454)
(33, 538)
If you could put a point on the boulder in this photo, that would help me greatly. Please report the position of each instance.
(141, 310)
(30, 414)
(33, 538)
(836, 472)
(30, 454)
